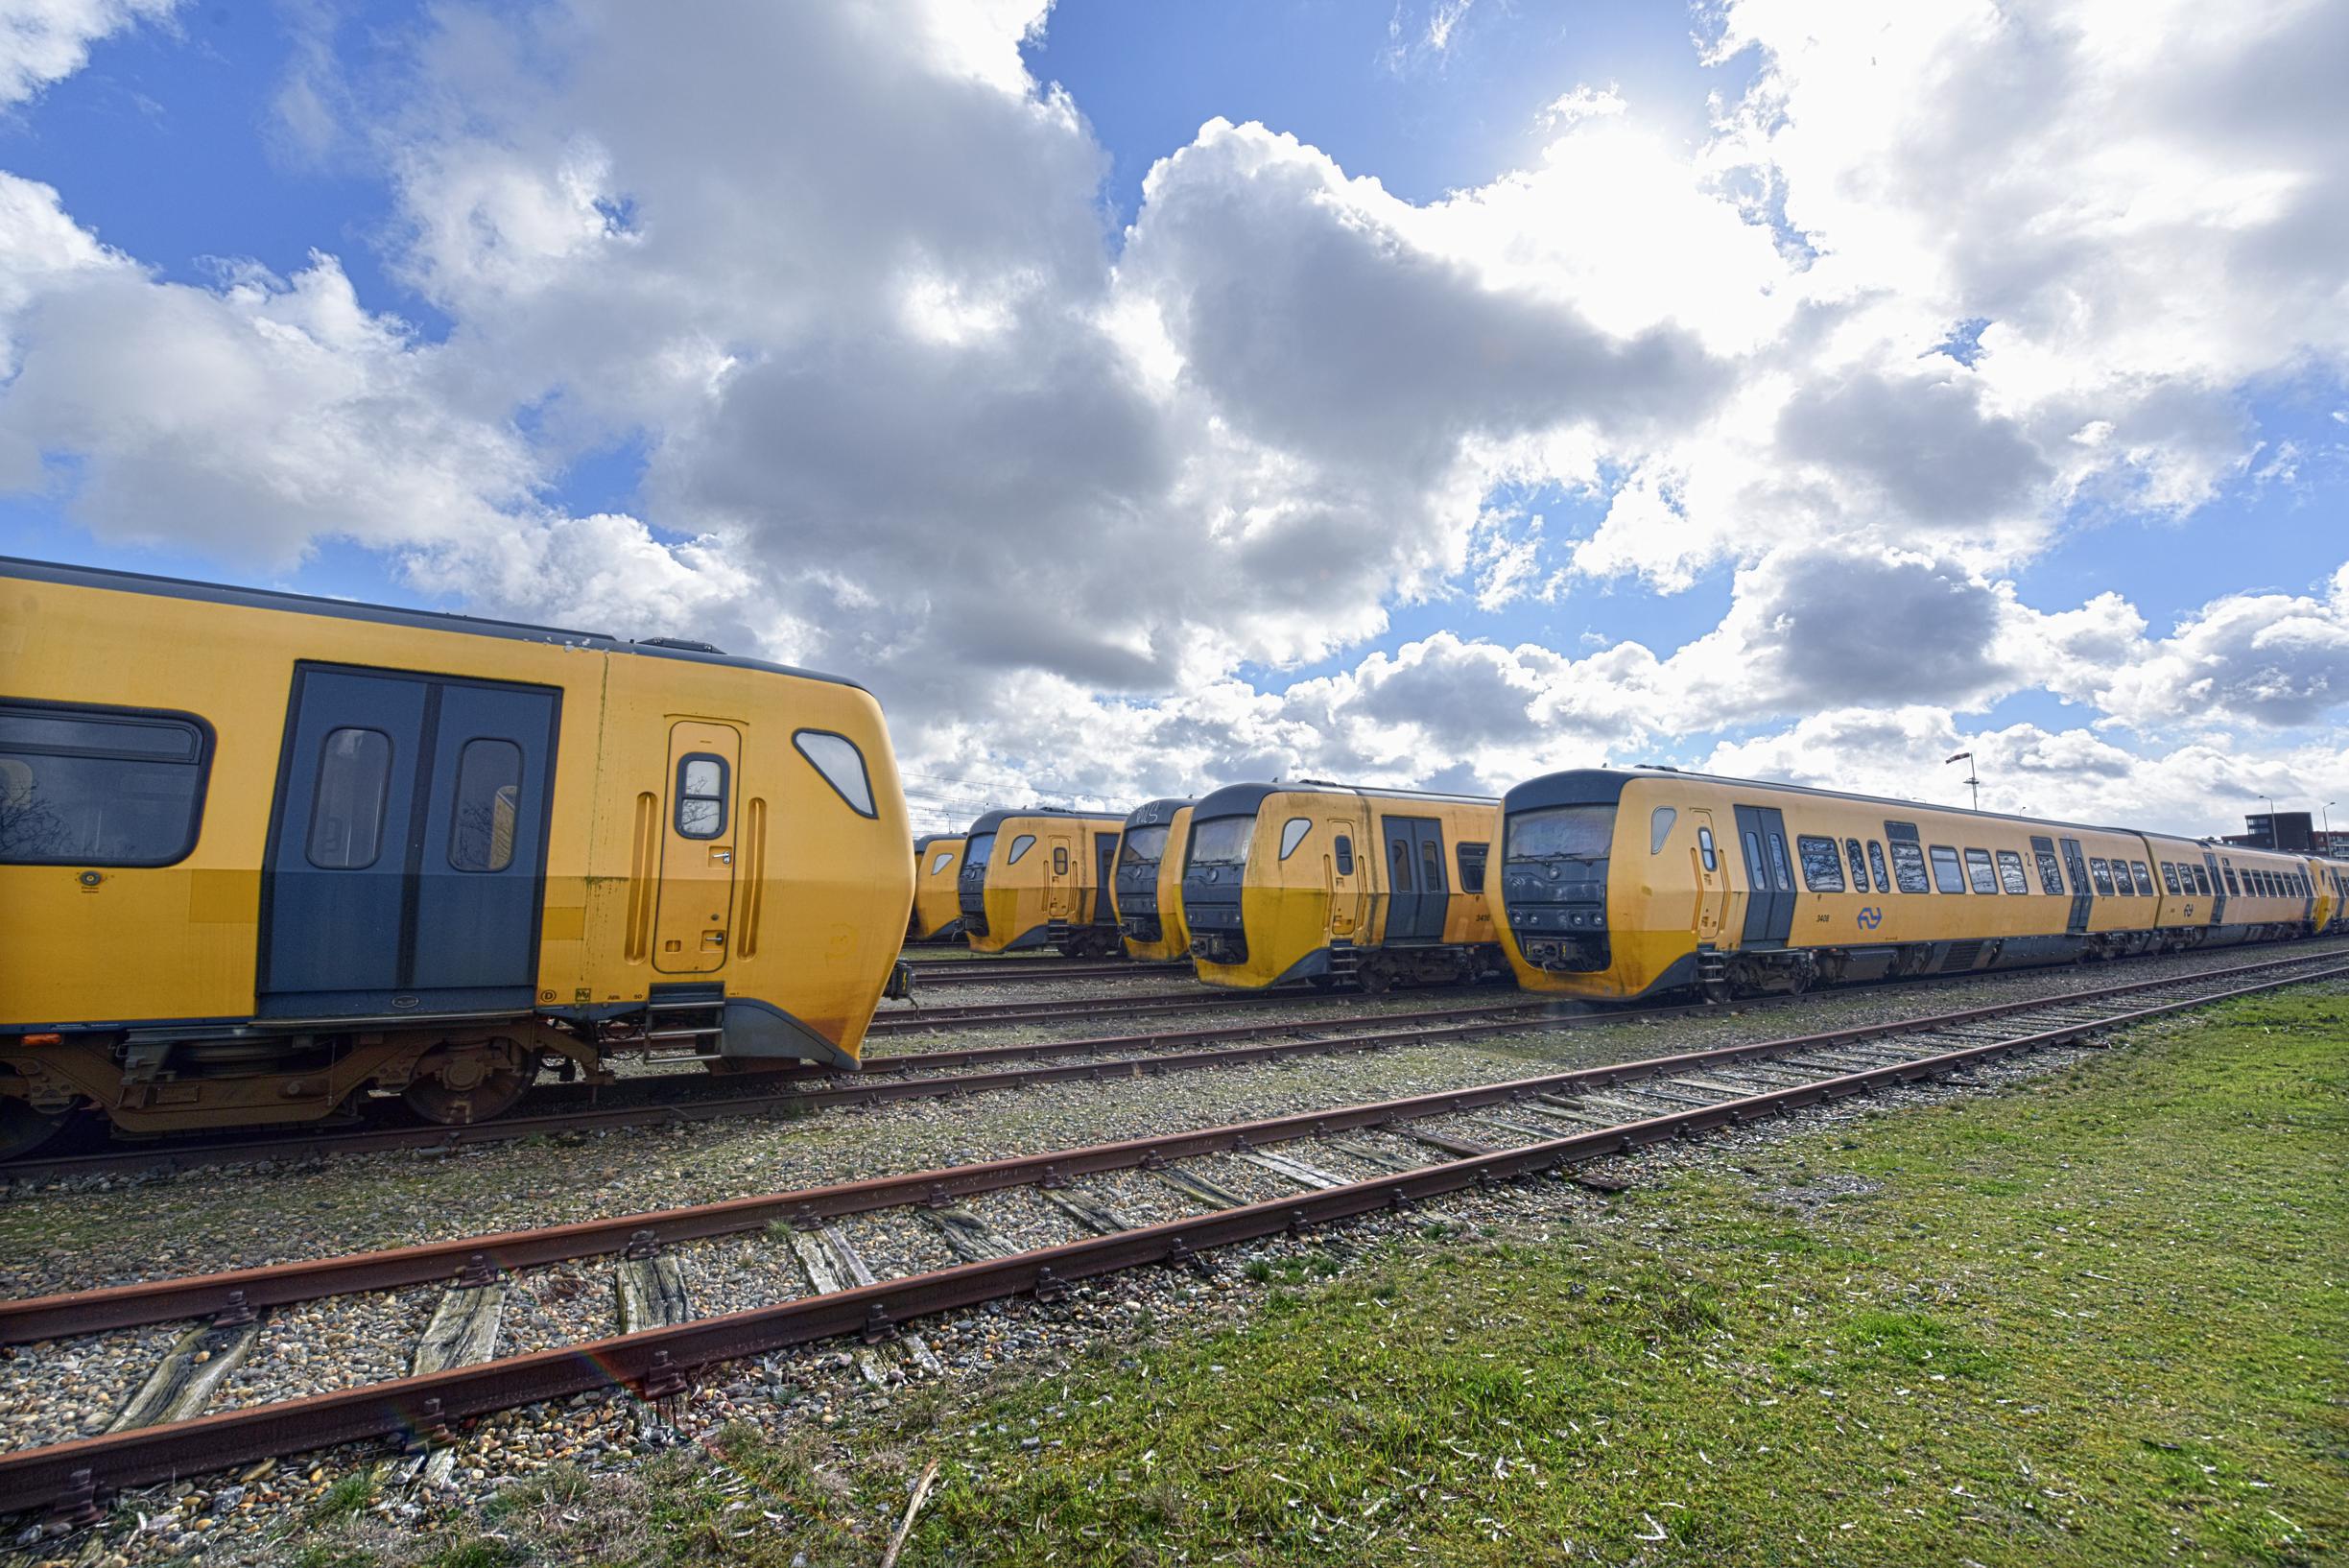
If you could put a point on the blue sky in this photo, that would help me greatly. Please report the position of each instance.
(2196, 484)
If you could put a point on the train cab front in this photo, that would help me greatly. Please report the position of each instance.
(1558, 835)
(1142, 850)
(1215, 875)
(970, 883)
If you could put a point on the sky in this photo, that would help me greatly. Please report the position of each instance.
(1141, 398)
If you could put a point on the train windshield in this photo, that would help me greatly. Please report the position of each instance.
(1223, 841)
(1142, 846)
(977, 851)
(1562, 833)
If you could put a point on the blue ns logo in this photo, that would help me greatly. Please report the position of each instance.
(1870, 917)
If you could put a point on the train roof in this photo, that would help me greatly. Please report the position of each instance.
(1242, 799)
(994, 820)
(423, 620)
(1150, 813)
(1605, 786)
(922, 844)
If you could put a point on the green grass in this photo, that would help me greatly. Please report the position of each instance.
(2098, 1319)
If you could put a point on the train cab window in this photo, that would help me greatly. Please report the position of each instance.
(2232, 886)
(1706, 850)
(2051, 869)
(1822, 868)
(2169, 881)
(488, 797)
(99, 786)
(1292, 834)
(1779, 869)
(2010, 872)
(1472, 858)
(1876, 866)
(1344, 850)
(1859, 865)
(1659, 828)
(2100, 873)
(346, 808)
(945, 858)
(701, 795)
(1020, 847)
(1061, 861)
(1980, 871)
(841, 764)
(1909, 865)
(1948, 875)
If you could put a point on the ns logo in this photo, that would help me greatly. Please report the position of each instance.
(1870, 917)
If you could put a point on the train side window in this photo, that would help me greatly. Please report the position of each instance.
(701, 795)
(2202, 881)
(2010, 872)
(488, 797)
(1020, 847)
(1343, 849)
(1876, 866)
(2100, 873)
(841, 764)
(1659, 828)
(346, 807)
(945, 858)
(1909, 865)
(1779, 868)
(1292, 834)
(1431, 868)
(1753, 862)
(2169, 883)
(1979, 869)
(1061, 860)
(99, 787)
(1949, 877)
(2051, 869)
(1472, 867)
(2144, 878)
(1704, 847)
(1822, 868)
(2232, 886)
(1859, 865)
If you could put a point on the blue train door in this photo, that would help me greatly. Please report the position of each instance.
(2083, 892)
(406, 860)
(1417, 888)
(1105, 877)
(2218, 913)
(1770, 875)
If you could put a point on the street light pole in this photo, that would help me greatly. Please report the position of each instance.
(1973, 782)
(2328, 824)
(2271, 821)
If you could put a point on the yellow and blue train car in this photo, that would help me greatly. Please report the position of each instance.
(1336, 885)
(1149, 886)
(1618, 882)
(1040, 877)
(262, 855)
(937, 898)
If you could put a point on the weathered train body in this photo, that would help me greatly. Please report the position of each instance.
(262, 854)
(1039, 877)
(1149, 886)
(1619, 883)
(1320, 882)
(937, 898)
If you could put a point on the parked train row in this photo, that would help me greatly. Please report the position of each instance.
(263, 857)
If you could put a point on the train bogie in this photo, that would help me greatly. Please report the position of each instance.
(1148, 889)
(1038, 877)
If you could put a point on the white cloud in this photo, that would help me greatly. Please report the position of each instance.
(47, 41)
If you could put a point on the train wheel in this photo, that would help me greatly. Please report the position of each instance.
(456, 1085)
(1374, 979)
(23, 1130)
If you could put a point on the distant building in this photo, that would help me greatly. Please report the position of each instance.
(2294, 831)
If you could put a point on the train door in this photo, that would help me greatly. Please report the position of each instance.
(1060, 875)
(1770, 875)
(694, 920)
(2083, 892)
(1417, 888)
(1711, 886)
(1347, 878)
(1104, 878)
(406, 861)
(2219, 890)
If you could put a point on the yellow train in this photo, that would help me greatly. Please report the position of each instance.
(1038, 877)
(1149, 887)
(1618, 882)
(937, 899)
(1334, 884)
(261, 855)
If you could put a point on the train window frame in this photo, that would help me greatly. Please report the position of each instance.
(2226, 869)
(2169, 881)
(2050, 868)
(1343, 850)
(1472, 857)
(1061, 860)
(1659, 828)
(1943, 856)
(2144, 878)
(20, 749)
(1781, 867)
(725, 797)
(510, 796)
(1910, 867)
(860, 799)
(943, 858)
(1981, 872)
(2202, 881)
(1707, 850)
(1020, 847)
(2011, 876)
(1431, 866)
(1859, 865)
(1876, 867)
(1819, 854)
(2100, 877)
(1293, 832)
(317, 798)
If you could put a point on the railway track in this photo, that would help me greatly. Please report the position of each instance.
(885, 1079)
(1045, 971)
(1324, 1166)
(920, 1020)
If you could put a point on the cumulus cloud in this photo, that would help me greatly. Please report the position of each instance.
(47, 41)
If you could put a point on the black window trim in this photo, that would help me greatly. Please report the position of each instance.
(457, 801)
(872, 814)
(1834, 852)
(725, 796)
(1467, 852)
(318, 782)
(1341, 851)
(203, 764)
(1932, 862)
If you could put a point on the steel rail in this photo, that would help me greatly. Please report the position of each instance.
(31, 1319)
(73, 1474)
(916, 1020)
(1048, 971)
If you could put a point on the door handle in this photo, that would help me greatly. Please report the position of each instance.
(722, 857)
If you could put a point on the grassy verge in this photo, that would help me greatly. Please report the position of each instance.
(2098, 1319)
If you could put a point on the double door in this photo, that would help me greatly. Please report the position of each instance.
(1417, 888)
(1769, 876)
